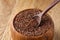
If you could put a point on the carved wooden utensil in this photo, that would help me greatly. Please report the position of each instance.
(38, 17)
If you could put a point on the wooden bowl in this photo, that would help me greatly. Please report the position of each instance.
(48, 35)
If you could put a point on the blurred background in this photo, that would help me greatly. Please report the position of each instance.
(9, 8)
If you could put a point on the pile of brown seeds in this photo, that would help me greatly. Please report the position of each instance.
(22, 19)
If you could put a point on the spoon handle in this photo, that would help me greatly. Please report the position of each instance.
(49, 7)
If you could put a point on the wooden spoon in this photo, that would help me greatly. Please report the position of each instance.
(37, 18)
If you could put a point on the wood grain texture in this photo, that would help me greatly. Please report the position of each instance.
(6, 16)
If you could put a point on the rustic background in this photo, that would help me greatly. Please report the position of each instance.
(9, 8)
